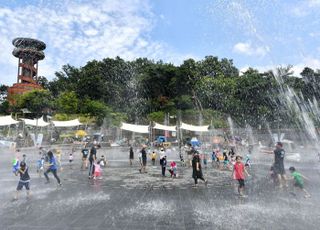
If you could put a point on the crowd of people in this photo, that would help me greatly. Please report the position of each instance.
(227, 159)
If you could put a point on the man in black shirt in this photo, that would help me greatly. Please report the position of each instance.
(144, 159)
(163, 163)
(279, 164)
(92, 159)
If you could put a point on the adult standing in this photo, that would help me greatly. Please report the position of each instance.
(279, 164)
(196, 169)
(92, 159)
(52, 167)
(144, 159)
(131, 155)
(163, 163)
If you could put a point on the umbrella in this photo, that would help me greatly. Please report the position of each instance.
(81, 133)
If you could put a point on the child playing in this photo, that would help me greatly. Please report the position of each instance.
(173, 169)
(298, 181)
(213, 157)
(51, 167)
(225, 160)
(102, 161)
(219, 159)
(24, 180)
(183, 164)
(205, 159)
(40, 166)
(15, 165)
(247, 161)
(97, 171)
(153, 158)
(238, 174)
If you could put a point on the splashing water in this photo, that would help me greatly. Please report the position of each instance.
(294, 104)
(231, 126)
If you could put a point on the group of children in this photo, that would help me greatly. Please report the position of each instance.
(227, 159)
(173, 167)
(48, 163)
(163, 162)
(296, 177)
(239, 171)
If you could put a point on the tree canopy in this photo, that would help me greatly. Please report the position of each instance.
(143, 89)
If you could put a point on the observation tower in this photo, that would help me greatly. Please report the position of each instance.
(28, 51)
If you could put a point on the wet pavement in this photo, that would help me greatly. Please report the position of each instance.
(126, 199)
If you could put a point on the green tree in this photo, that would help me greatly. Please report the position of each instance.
(66, 80)
(43, 81)
(252, 108)
(4, 104)
(156, 116)
(67, 102)
(95, 109)
(4, 107)
(36, 101)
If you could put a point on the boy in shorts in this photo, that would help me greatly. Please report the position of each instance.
(85, 153)
(24, 180)
(298, 181)
(238, 174)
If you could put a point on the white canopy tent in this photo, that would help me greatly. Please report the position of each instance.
(70, 123)
(39, 123)
(194, 128)
(135, 128)
(165, 127)
(7, 120)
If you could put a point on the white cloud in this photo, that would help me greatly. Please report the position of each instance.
(248, 49)
(79, 32)
(299, 11)
(297, 68)
(313, 3)
(310, 62)
(304, 8)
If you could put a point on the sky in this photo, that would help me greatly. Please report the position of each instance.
(262, 34)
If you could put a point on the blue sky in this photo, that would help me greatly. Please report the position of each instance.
(257, 33)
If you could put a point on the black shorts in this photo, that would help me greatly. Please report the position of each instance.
(299, 185)
(144, 162)
(279, 169)
(21, 184)
(241, 183)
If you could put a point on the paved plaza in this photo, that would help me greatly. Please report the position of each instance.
(126, 199)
